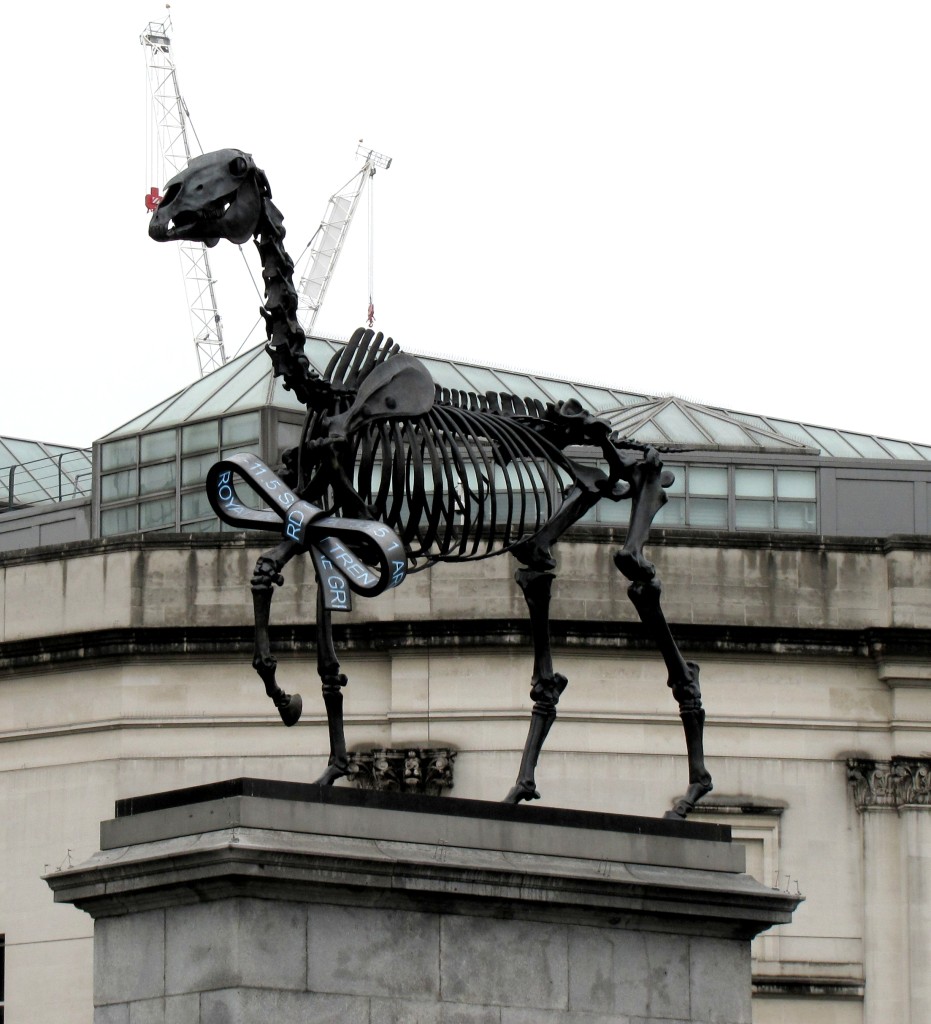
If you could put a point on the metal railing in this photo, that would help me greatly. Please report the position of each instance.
(49, 480)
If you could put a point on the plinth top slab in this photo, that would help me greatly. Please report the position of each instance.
(270, 789)
(433, 821)
(300, 843)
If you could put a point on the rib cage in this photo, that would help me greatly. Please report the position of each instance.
(457, 484)
(470, 478)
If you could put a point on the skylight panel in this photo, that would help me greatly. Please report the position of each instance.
(722, 431)
(772, 440)
(526, 387)
(255, 397)
(867, 446)
(599, 400)
(140, 422)
(900, 449)
(481, 379)
(281, 398)
(834, 444)
(24, 451)
(319, 352)
(447, 375)
(677, 426)
(625, 420)
(750, 421)
(186, 404)
(563, 391)
(796, 431)
(224, 387)
(647, 432)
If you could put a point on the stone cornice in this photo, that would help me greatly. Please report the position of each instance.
(590, 533)
(591, 635)
(893, 784)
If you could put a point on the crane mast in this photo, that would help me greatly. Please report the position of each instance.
(324, 248)
(170, 128)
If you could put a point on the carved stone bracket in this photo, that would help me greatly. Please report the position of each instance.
(899, 782)
(403, 769)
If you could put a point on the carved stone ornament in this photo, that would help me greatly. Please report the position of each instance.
(403, 770)
(899, 782)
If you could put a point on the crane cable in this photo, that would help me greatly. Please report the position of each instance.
(370, 316)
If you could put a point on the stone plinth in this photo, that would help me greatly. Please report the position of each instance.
(253, 901)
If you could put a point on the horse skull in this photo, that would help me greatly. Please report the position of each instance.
(218, 195)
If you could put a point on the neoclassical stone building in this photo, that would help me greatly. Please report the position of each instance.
(796, 563)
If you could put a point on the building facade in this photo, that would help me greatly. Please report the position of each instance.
(125, 668)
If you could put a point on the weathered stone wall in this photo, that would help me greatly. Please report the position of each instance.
(714, 580)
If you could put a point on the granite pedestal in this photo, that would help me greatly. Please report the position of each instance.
(251, 901)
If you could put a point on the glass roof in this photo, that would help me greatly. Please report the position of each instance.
(14, 451)
(32, 472)
(677, 423)
(246, 383)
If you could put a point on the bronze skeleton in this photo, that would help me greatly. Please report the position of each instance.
(455, 475)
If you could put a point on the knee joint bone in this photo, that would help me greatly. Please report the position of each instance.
(266, 573)
(548, 689)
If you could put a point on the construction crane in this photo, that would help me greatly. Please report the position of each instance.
(171, 151)
(322, 251)
(171, 118)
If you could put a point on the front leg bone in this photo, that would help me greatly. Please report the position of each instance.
(332, 682)
(266, 575)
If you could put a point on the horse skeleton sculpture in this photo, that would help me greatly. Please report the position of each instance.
(394, 474)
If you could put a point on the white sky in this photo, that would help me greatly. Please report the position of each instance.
(725, 201)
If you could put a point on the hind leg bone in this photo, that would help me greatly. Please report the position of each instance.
(535, 579)
(647, 480)
(683, 681)
(547, 685)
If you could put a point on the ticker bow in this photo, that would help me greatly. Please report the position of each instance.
(349, 554)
